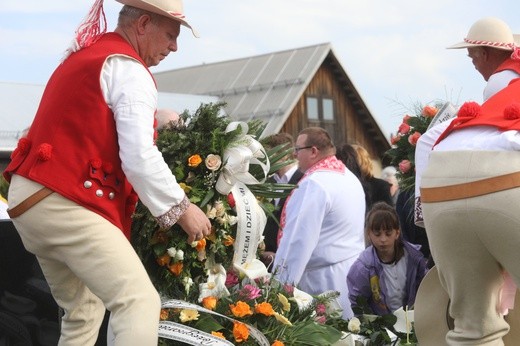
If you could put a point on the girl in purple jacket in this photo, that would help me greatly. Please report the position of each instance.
(388, 272)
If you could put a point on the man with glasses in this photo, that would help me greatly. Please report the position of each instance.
(322, 221)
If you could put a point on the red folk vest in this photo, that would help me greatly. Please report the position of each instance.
(501, 111)
(72, 145)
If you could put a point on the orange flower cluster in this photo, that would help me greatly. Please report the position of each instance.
(240, 309)
(264, 308)
(240, 332)
(209, 302)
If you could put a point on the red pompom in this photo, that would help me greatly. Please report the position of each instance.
(469, 110)
(23, 145)
(45, 151)
(512, 111)
(96, 163)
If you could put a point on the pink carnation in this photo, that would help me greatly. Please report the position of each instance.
(412, 139)
(250, 292)
(405, 166)
(231, 279)
(403, 128)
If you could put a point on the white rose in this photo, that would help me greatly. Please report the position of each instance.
(213, 162)
(172, 251)
(179, 255)
(354, 325)
(219, 208)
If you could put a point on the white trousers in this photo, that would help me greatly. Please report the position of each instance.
(472, 240)
(89, 265)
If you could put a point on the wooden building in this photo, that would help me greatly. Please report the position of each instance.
(288, 90)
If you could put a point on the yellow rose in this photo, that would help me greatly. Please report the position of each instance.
(194, 160)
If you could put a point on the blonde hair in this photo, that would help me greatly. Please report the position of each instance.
(364, 161)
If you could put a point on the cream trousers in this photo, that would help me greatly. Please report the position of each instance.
(89, 265)
(472, 240)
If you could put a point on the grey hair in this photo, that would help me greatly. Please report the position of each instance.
(128, 14)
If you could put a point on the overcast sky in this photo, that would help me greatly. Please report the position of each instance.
(393, 51)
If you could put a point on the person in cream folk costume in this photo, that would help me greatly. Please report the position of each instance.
(76, 177)
(470, 196)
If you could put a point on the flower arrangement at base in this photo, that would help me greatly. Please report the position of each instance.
(281, 313)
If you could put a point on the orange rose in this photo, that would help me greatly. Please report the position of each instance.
(201, 244)
(164, 314)
(277, 343)
(412, 139)
(228, 240)
(241, 309)
(240, 332)
(163, 260)
(194, 160)
(264, 309)
(209, 302)
(429, 111)
(176, 268)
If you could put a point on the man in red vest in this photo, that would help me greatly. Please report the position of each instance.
(76, 177)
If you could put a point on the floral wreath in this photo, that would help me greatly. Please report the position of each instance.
(219, 299)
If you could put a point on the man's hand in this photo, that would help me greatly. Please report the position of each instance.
(195, 223)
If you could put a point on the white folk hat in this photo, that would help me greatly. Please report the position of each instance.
(432, 320)
(95, 24)
(491, 32)
(169, 8)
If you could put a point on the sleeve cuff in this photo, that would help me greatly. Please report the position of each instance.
(173, 215)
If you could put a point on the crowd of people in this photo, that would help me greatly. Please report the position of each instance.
(341, 229)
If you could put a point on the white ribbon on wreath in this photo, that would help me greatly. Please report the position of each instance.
(234, 177)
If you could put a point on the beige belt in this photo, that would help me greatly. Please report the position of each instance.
(30, 201)
(471, 189)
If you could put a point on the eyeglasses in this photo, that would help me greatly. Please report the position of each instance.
(296, 149)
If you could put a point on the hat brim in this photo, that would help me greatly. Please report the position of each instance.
(469, 45)
(431, 318)
(144, 5)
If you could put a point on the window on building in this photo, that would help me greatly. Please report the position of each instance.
(312, 108)
(320, 108)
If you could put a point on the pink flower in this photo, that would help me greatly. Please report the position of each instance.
(405, 118)
(321, 309)
(394, 139)
(403, 128)
(250, 292)
(405, 166)
(288, 288)
(414, 138)
(231, 279)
